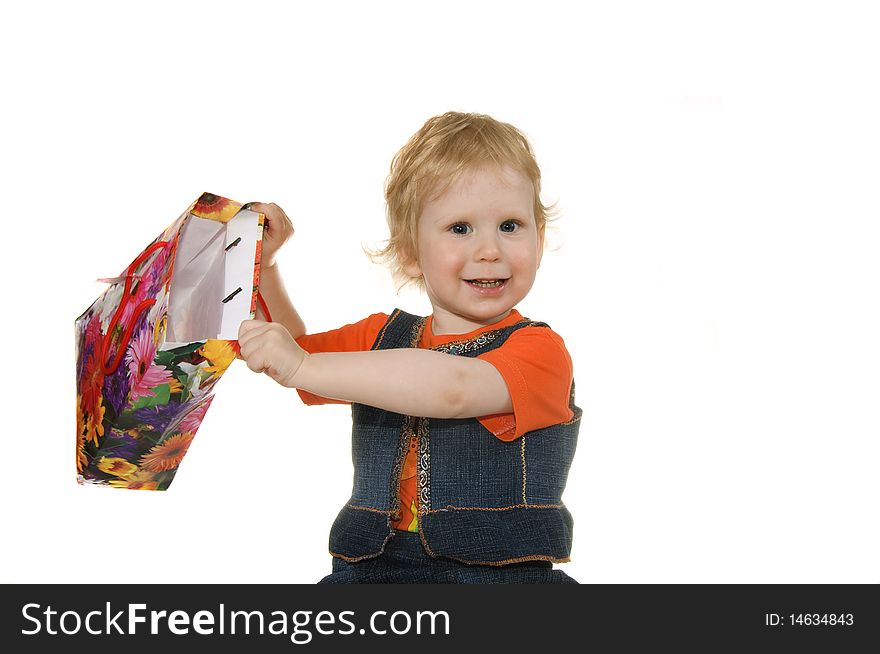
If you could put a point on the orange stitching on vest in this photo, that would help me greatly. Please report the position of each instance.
(519, 559)
(523, 451)
(431, 553)
(425, 542)
(493, 508)
(355, 559)
(385, 328)
(367, 508)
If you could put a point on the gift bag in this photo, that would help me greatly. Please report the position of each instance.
(151, 348)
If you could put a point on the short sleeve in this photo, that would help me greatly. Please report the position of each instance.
(537, 369)
(355, 337)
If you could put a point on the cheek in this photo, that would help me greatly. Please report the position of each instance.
(446, 261)
(525, 261)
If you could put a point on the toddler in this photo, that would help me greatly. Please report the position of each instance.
(464, 422)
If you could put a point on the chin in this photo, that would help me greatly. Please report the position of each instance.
(490, 315)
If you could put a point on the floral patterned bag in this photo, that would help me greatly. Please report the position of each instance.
(151, 348)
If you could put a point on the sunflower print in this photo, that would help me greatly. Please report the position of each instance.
(213, 207)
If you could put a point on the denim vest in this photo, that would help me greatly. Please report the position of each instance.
(481, 500)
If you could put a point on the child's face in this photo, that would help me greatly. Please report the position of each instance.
(478, 248)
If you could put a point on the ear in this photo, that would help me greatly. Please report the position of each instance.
(412, 268)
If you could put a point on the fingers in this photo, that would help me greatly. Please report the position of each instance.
(250, 344)
(246, 327)
(248, 331)
(277, 229)
(269, 348)
(252, 333)
(249, 326)
(259, 207)
(257, 364)
(276, 220)
(271, 210)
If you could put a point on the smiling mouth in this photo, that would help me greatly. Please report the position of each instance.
(486, 283)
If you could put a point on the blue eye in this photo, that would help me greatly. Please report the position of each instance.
(460, 229)
(510, 226)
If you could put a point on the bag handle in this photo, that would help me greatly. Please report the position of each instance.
(264, 307)
(110, 368)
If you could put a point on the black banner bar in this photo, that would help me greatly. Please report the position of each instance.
(277, 618)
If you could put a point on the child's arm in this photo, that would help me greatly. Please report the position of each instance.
(408, 380)
(279, 304)
(276, 230)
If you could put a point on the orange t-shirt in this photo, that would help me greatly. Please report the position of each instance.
(533, 362)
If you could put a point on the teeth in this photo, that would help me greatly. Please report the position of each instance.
(486, 284)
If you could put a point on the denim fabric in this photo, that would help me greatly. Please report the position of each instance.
(481, 500)
(494, 536)
(376, 433)
(405, 561)
(359, 533)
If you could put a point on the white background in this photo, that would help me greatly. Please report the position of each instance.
(714, 271)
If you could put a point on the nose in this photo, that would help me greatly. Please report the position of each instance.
(488, 247)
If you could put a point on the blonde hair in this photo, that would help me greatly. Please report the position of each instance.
(434, 158)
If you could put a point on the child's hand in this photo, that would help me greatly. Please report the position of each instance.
(268, 347)
(276, 230)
